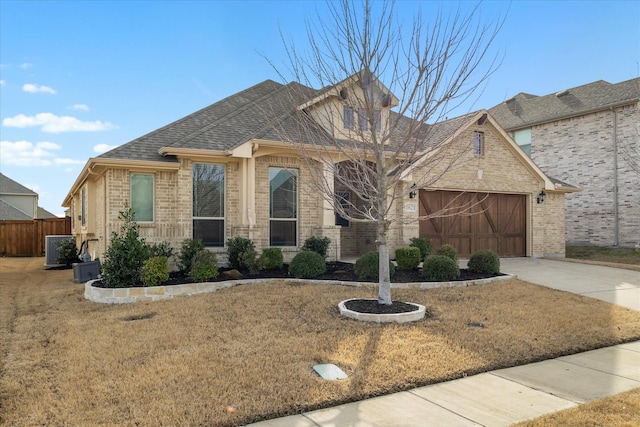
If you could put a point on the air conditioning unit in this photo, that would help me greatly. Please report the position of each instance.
(51, 250)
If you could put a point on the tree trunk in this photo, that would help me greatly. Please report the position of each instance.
(384, 275)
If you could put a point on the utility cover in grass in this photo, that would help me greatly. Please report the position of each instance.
(329, 371)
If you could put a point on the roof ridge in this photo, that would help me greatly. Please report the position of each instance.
(235, 112)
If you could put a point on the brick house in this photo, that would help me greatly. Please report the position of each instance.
(226, 171)
(586, 135)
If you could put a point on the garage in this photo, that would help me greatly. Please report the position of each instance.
(473, 221)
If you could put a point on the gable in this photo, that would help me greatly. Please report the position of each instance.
(502, 167)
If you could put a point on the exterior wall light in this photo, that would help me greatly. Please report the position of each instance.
(413, 192)
(540, 197)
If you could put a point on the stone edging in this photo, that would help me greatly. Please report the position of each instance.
(411, 316)
(159, 293)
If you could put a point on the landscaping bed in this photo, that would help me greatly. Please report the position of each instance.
(336, 271)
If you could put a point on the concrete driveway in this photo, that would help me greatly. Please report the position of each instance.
(614, 285)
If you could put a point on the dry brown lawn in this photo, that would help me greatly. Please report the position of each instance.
(621, 410)
(68, 361)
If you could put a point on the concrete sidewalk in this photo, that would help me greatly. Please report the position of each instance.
(507, 396)
(498, 398)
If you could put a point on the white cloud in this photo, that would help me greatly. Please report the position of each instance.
(2, 83)
(101, 148)
(31, 88)
(25, 153)
(26, 65)
(80, 107)
(52, 123)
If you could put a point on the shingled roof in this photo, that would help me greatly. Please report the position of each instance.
(9, 186)
(524, 110)
(220, 127)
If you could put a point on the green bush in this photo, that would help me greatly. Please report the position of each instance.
(190, 247)
(235, 247)
(440, 268)
(160, 249)
(204, 266)
(317, 244)
(125, 255)
(251, 261)
(155, 270)
(67, 252)
(408, 258)
(422, 243)
(484, 261)
(367, 266)
(307, 265)
(448, 251)
(272, 259)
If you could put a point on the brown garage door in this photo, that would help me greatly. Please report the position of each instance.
(475, 221)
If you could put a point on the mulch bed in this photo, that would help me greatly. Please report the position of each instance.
(371, 306)
(336, 270)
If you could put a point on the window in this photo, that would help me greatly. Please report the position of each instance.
(347, 117)
(142, 197)
(363, 123)
(523, 139)
(478, 143)
(377, 117)
(283, 207)
(208, 204)
(342, 197)
(73, 214)
(83, 206)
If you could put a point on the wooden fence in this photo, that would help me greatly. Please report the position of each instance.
(27, 238)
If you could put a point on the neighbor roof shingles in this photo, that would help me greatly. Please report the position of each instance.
(525, 110)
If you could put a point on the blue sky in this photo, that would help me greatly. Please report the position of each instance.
(79, 77)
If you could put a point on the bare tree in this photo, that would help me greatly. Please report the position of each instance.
(359, 147)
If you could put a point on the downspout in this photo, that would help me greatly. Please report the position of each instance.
(616, 224)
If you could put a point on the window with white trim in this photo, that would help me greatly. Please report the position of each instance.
(347, 117)
(283, 207)
(478, 143)
(142, 197)
(208, 204)
(83, 206)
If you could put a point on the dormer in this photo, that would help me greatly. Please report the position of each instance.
(350, 108)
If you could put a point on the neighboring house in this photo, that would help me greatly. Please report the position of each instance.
(585, 135)
(17, 202)
(226, 171)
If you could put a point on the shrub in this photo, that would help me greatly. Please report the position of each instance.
(271, 258)
(204, 265)
(440, 268)
(408, 258)
(484, 262)
(367, 266)
(155, 270)
(190, 247)
(317, 244)
(307, 265)
(251, 261)
(235, 247)
(160, 249)
(422, 243)
(125, 255)
(448, 251)
(67, 252)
